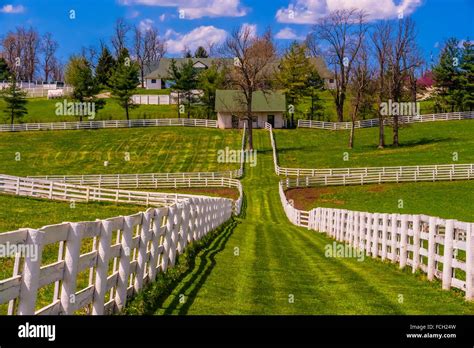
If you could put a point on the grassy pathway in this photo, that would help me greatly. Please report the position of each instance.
(278, 261)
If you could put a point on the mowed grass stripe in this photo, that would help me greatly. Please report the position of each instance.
(175, 149)
(278, 259)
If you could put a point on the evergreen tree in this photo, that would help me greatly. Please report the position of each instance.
(124, 82)
(201, 53)
(185, 78)
(209, 81)
(314, 84)
(4, 70)
(15, 100)
(85, 87)
(447, 76)
(105, 67)
(294, 71)
(467, 77)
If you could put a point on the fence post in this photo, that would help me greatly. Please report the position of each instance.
(469, 261)
(431, 247)
(375, 236)
(124, 264)
(448, 254)
(384, 235)
(31, 273)
(71, 262)
(142, 249)
(416, 243)
(403, 241)
(102, 266)
(368, 234)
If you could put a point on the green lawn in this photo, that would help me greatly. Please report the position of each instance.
(261, 264)
(22, 212)
(329, 111)
(449, 200)
(151, 150)
(44, 110)
(422, 143)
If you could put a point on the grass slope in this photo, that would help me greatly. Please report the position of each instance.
(254, 268)
(422, 143)
(177, 149)
(44, 110)
(448, 200)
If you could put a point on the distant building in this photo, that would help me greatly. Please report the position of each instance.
(159, 78)
(266, 107)
(157, 73)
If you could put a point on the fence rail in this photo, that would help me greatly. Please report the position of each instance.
(127, 253)
(163, 122)
(440, 248)
(451, 116)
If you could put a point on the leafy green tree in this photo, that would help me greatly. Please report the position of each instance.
(124, 82)
(105, 67)
(294, 70)
(4, 70)
(79, 75)
(209, 81)
(15, 100)
(201, 53)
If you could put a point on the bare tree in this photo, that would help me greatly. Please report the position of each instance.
(48, 49)
(382, 40)
(21, 52)
(90, 54)
(253, 55)
(119, 38)
(359, 84)
(403, 46)
(147, 48)
(344, 31)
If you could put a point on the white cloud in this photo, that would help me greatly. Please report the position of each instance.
(201, 36)
(12, 9)
(251, 27)
(146, 24)
(162, 17)
(309, 11)
(288, 34)
(192, 9)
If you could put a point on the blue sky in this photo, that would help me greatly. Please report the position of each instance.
(207, 21)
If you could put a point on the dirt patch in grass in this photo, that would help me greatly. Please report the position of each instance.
(377, 188)
(212, 192)
(304, 198)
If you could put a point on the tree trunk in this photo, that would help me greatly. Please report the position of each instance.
(340, 108)
(249, 122)
(179, 101)
(12, 118)
(381, 133)
(395, 131)
(126, 111)
(351, 139)
(142, 72)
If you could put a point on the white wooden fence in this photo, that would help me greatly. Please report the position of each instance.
(156, 181)
(161, 122)
(451, 116)
(152, 99)
(145, 244)
(367, 175)
(438, 247)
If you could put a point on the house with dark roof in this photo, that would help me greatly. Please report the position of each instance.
(159, 77)
(157, 73)
(266, 107)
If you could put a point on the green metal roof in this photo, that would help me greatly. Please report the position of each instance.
(234, 101)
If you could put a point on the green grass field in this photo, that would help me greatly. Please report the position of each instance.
(448, 200)
(151, 150)
(270, 261)
(44, 110)
(422, 143)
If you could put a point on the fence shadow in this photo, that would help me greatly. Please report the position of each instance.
(200, 274)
